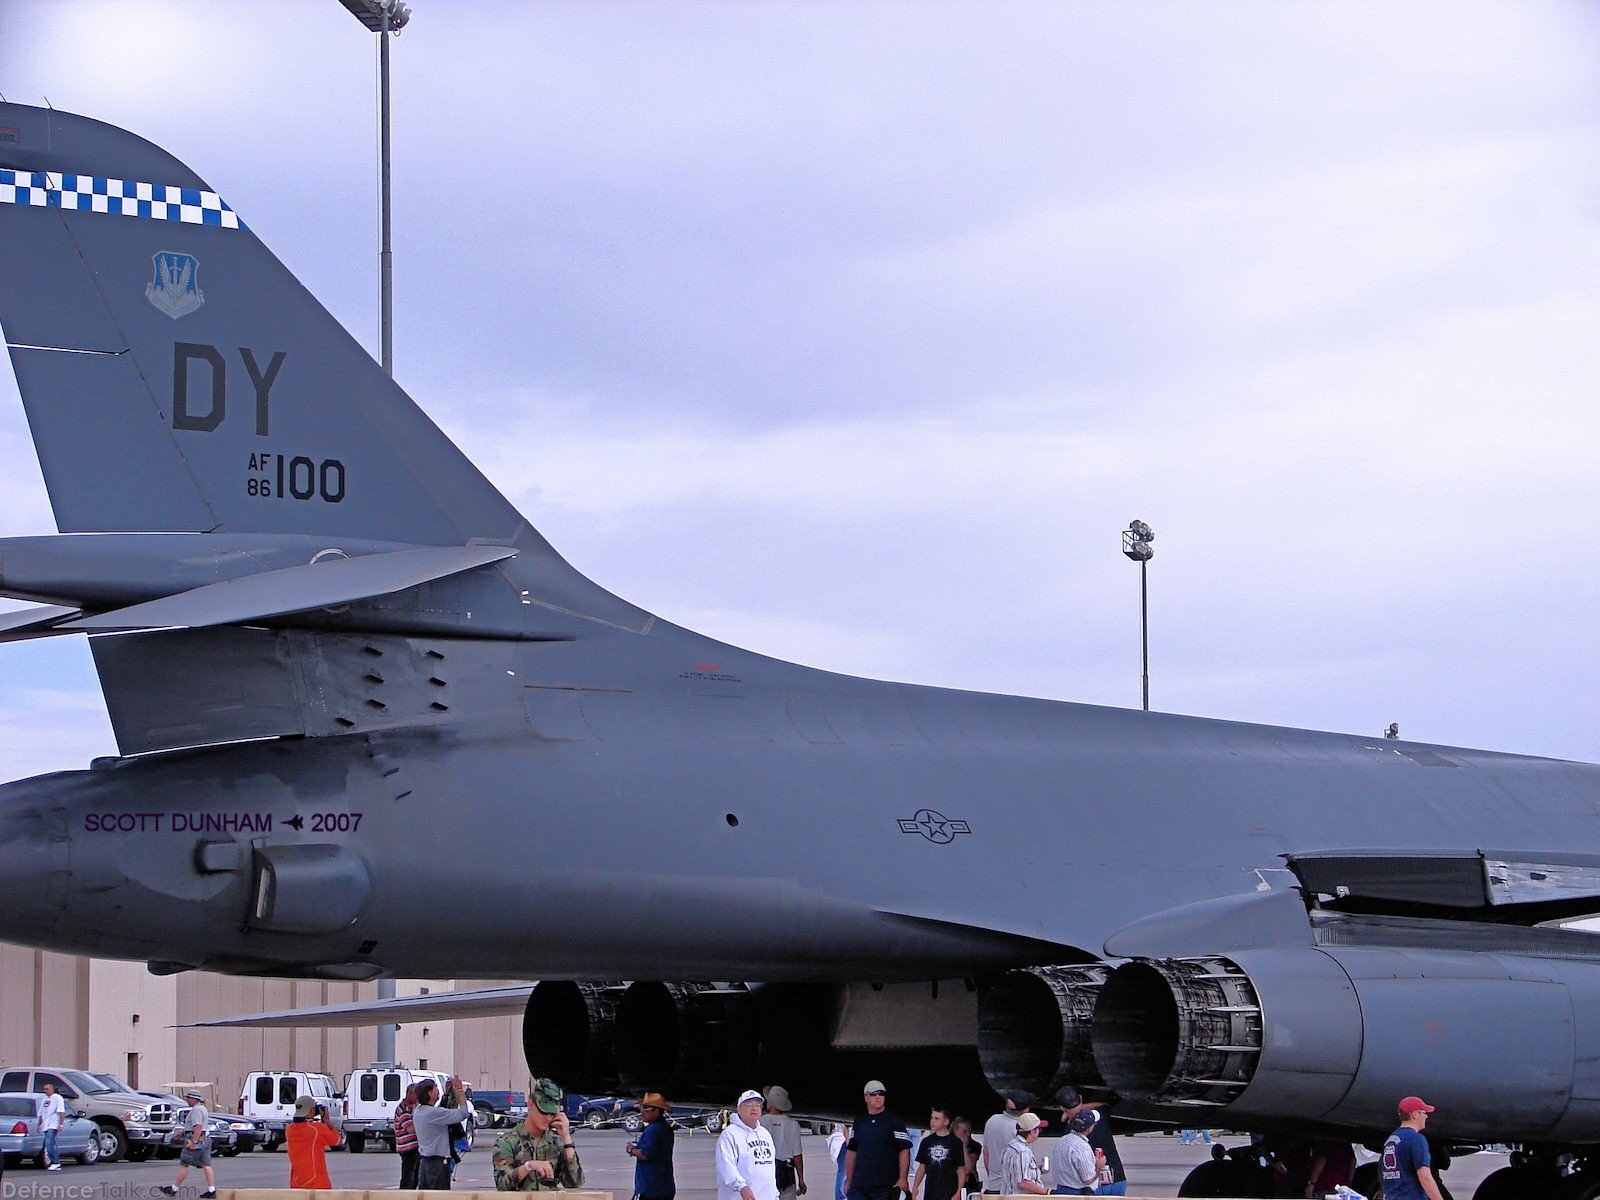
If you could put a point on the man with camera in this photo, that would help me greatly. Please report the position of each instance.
(432, 1122)
(308, 1137)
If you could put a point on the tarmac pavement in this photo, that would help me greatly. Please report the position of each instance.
(1156, 1165)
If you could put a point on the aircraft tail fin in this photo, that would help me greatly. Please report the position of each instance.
(231, 457)
(177, 377)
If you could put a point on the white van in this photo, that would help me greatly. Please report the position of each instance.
(268, 1099)
(371, 1095)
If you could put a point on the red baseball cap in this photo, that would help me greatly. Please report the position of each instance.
(1413, 1104)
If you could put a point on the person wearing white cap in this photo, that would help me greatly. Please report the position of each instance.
(877, 1158)
(746, 1161)
(785, 1131)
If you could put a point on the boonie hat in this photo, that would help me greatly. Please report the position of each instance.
(1028, 1122)
(747, 1094)
(546, 1094)
(874, 1087)
(1413, 1104)
(778, 1098)
(194, 1094)
(304, 1106)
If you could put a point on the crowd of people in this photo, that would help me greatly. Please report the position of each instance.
(759, 1153)
(759, 1157)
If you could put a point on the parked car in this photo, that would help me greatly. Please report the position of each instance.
(249, 1134)
(497, 1108)
(21, 1137)
(130, 1124)
(597, 1112)
(224, 1141)
(682, 1116)
(608, 1112)
(688, 1116)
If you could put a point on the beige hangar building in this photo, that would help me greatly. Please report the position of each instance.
(103, 1015)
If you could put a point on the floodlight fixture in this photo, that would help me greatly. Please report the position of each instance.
(380, 16)
(1136, 539)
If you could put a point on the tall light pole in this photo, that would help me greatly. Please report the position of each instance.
(1136, 539)
(383, 17)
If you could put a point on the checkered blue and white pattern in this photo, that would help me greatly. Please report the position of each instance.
(123, 197)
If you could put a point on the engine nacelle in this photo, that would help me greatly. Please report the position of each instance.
(1340, 1033)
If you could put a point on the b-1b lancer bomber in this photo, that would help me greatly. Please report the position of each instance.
(337, 661)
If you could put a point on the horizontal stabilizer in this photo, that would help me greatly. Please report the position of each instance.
(322, 584)
(40, 621)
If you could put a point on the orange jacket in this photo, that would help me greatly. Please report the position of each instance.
(308, 1156)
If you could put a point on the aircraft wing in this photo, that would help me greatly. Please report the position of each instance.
(508, 1000)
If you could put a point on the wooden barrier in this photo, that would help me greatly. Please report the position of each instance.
(380, 1194)
(394, 1194)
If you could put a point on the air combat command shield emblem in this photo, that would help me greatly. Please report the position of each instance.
(175, 290)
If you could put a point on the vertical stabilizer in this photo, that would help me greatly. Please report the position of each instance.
(177, 377)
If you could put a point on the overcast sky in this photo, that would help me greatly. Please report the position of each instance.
(855, 332)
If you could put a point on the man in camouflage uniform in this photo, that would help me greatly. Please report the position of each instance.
(539, 1152)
